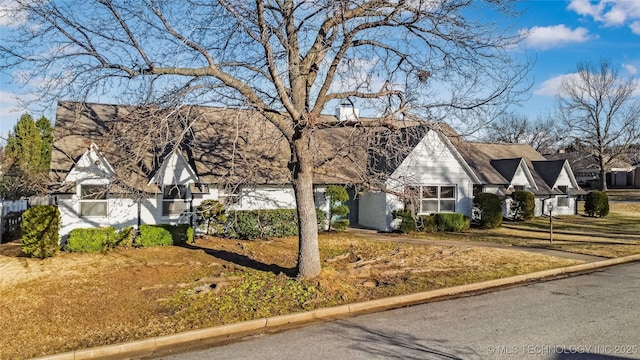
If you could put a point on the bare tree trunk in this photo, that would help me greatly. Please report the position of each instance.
(603, 180)
(308, 250)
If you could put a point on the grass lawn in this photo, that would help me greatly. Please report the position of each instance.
(75, 301)
(616, 235)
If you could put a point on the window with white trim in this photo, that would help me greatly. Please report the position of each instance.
(174, 200)
(562, 201)
(435, 198)
(93, 200)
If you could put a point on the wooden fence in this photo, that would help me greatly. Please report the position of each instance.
(10, 218)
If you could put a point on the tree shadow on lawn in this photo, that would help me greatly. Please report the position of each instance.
(242, 260)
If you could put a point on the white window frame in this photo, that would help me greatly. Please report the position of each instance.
(424, 198)
(565, 199)
(169, 199)
(93, 197)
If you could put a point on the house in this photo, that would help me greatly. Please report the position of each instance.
(620, 174)
(442, 172)
(123, 166)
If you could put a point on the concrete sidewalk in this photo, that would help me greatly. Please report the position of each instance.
(375, 235)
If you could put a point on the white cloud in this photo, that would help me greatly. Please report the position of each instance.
(9, 14)
(635, 27)
(630, 69)
(551, 87)
(608, 12)
(545, 37)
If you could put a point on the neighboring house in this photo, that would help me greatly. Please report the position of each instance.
(108, 172)
(621, 174)
(442, 173)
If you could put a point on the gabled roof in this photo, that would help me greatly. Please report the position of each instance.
(506, 167)
(223, 146)
(549, 170)
(496, 164)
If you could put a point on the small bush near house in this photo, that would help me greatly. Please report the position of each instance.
(40, 231)
(452, 222)
(322, 220)
(597, 204)
(407, 222)
(261, 224)
(336, 195)
(213, 214)
(90, 240)
(489, 210)
(124, 237)
(427, 223)
(523, 205)
(153, 235)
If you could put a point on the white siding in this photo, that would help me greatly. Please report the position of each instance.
(520, 177)
(373, 211)
(432, 163)
(266, 197)
(175, 170)
(120, 214)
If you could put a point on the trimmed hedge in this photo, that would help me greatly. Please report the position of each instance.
(153, 235)
(427, 223)
(40, 231)
(91, 240)
(597, 204)
(489, 210)
(523, 205)
(452, 222)
(407, 222)
(243, 224)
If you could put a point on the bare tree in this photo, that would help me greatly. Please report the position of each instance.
(542, 135)
(600, 109)
(289, 60)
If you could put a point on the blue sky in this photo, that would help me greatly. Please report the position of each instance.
(562, 34)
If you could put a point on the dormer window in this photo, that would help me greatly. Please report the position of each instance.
(518, 187)
(174, 200)
(564, 189)
(93, 200)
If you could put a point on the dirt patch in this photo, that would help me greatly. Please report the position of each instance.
(75, 301)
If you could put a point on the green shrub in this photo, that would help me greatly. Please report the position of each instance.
(427, 223)
(523, 205)
(489, 210)
(452, 222)
(597, 204)
(40, 231)
(153, 235)
(336, 195)
(255, 224)
(124, 237)
(322, 220)
(90, 240)
(213, 214)
(407, 222)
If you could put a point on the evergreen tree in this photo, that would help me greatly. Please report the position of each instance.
(46, 134)
(28, 154)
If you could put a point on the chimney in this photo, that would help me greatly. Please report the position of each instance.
(347, 112)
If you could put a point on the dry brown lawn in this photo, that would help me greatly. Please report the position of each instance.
(75, 301)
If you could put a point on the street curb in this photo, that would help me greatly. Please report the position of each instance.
(148, 347)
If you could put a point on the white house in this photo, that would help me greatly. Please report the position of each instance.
(110, 169)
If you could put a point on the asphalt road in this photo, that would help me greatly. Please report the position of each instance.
(592, 316)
